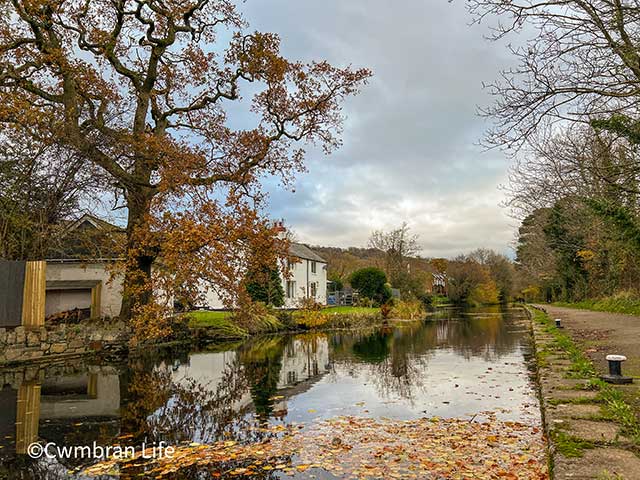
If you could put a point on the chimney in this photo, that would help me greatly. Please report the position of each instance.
(280, 229)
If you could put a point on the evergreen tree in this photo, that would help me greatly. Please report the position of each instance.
(263, 284)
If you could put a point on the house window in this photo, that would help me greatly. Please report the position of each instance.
(314, 289)
(313, 267)
(291, 289)
(291, 264)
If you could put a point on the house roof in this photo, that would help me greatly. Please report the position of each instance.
(302, 251)
(88, 237)
(94, 221)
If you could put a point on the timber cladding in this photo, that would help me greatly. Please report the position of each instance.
(22, 293)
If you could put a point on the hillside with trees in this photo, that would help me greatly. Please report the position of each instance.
(480, 277)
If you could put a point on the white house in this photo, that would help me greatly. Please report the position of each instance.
(307, 279)
(307, 276)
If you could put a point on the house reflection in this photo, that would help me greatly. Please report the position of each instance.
(264, 371)
(304, 359)
(51, 409)
(89, 395)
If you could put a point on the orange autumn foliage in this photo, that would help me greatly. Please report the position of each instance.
(140, 89)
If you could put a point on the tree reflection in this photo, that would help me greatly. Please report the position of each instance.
(161, 407)
(395, 361)
(262, 362)
(374, 348)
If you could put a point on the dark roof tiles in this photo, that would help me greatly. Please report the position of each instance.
(302, 251)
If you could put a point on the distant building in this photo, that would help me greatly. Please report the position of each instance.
(439, 284)
(78, 271)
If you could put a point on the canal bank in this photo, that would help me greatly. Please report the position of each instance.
(91, 337)
(593, 432)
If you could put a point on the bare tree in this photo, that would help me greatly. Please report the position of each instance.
(398, 245)
(41, 186)
(578, 162)
(582, 61)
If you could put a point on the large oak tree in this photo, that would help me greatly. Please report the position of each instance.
(140, 88)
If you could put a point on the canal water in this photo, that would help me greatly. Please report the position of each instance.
(469, 364)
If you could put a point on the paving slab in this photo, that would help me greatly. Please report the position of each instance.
(595, 431)
(595, 462)
(570, 410)
(572, 395)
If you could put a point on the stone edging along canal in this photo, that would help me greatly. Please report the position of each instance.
(592, 432)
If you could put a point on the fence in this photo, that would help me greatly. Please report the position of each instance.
(342, 297)
(22, 293)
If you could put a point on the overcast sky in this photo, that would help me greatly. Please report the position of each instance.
(410, 144)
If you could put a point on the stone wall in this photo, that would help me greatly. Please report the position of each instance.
(22, 345)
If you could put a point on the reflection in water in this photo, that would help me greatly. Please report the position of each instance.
(27, 416)
(455, 364)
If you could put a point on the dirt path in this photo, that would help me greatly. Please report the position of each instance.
(573, 414)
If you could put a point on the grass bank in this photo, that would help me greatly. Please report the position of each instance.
(215, 325)
(621, 303)
(581, 366)
(350, 310)
(221, 325)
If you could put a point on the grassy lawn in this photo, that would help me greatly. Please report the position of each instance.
(209, 319)
(218, 320)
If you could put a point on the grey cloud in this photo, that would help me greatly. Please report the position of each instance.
(409, 150)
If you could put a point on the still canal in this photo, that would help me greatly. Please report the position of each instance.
(318, 394)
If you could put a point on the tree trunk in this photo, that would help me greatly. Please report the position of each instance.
(139, 259)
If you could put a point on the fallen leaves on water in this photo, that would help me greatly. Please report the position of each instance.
(359, 448)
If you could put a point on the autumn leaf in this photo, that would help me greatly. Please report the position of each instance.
(367, 448)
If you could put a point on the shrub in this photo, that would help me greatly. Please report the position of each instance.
(371, 283)
(426, 299)
(351, 320)
(386, 309)
(408, 310)
(286, 318)
(365, 302)
(255, 317)
(310, 314)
